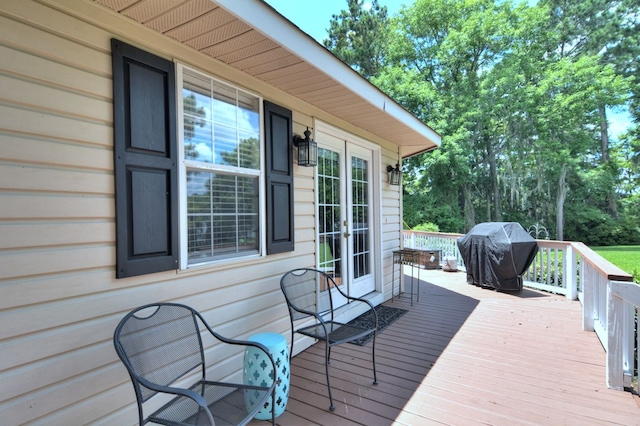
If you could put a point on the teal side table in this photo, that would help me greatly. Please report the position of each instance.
(257, 371)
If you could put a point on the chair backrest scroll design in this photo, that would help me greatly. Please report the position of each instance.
(308, 293)
(159, 343)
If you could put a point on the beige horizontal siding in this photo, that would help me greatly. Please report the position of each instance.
(48, 72)
(37, 206)
(35, 94)
(41, 178)
(60, 301)
(37, 262)
(17, 119)
(25, 235)
(28, 149)
(68, 41)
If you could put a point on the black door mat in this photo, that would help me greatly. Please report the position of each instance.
(386, 316)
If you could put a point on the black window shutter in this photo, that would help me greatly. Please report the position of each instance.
(145, 161)
(279, 176)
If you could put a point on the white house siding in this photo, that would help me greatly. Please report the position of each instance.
(59, 299)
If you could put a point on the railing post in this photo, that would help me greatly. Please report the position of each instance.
(623, 298)
(569, 272)
(613, 346)
(588, 296)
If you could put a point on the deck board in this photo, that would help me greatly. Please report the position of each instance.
(465, 356)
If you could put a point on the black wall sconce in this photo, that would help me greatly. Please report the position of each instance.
(307, 149)
(395, 174)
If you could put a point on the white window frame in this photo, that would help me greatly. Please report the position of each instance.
(182, 176)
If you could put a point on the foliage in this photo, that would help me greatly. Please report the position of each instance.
(358, 36)
(420, 208)
(428, 226)
(594, 227)
(520, 95)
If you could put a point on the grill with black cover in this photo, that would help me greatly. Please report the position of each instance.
(496, 254)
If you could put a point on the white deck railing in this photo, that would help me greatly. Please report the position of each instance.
(610, 299)
(624, 303)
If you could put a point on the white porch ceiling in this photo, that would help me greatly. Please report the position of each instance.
(254, 38)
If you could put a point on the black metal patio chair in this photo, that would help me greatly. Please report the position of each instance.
(161, 347)
(310, 293)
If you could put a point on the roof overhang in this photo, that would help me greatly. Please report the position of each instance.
(254, 38)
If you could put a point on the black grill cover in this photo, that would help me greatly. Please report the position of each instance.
(496, 254)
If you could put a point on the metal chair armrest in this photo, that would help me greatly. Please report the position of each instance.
(174, 391)
(241, 343)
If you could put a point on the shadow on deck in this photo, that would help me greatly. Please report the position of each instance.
(465, 355)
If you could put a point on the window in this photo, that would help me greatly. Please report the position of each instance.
(221, 149)
(225, 186)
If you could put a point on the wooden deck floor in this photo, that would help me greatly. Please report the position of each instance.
(465, 356)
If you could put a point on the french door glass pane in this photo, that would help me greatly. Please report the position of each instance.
(329, 210)
(360, 216)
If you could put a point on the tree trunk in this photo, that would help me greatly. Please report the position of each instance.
(494, 180)
(488, 209)
(604, 146)
(562, 194)
(604, 134)
(469, 210)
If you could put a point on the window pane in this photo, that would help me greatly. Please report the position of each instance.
(197, 192)
(222, 216)
(226, 144)
(249, 150)
(223, 194)
(199, 238)
(197, 118)
(329, 211)
(249, 113)
(224, 104)
(197, 110)
(196, 95)
(247, 195)
(360, 218)
(199, 217)
(199, 146)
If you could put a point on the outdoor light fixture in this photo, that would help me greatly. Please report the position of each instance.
(307, 149)
(394, 174)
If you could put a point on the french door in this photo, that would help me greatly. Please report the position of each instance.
(345, 213)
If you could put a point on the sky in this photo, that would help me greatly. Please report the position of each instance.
(313, 17)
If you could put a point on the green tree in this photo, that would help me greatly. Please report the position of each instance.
(519, 94)
(567, 101)
(446, 48)
(607, 29)
(358, 36)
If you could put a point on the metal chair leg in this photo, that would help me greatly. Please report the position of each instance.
(373, 354)
(327, 349)
(292, 336)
